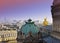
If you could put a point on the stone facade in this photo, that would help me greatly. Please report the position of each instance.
(6, 35)
(56, 15)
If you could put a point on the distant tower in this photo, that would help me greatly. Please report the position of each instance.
(45, 22)
(55, 10)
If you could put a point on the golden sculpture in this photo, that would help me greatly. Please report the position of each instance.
(45, 22)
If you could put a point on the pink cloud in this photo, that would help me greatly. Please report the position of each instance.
(7, 2)
(12, 3)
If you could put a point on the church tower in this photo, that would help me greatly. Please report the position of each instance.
(55, 10)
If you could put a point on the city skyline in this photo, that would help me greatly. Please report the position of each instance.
(25, 9)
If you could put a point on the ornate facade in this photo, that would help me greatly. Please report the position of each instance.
(56, 15)
(30, 33)
(7, 34)
(27, 28)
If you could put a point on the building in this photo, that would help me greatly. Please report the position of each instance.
(30, 33)
(28, 27)
(20, 23)
(55, 9)
(7, 34)
(45, 28)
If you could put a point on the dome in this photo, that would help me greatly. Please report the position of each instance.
(29, 27)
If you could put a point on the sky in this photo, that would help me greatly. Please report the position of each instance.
(25, 9)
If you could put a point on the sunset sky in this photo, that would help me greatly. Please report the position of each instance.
(25, 9)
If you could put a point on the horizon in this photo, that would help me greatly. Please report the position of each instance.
(25, 9)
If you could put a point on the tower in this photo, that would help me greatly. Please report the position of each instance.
(55, 10)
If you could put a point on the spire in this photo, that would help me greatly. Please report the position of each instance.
(45, 22)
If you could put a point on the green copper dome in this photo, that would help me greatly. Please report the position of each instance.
(29, 27)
